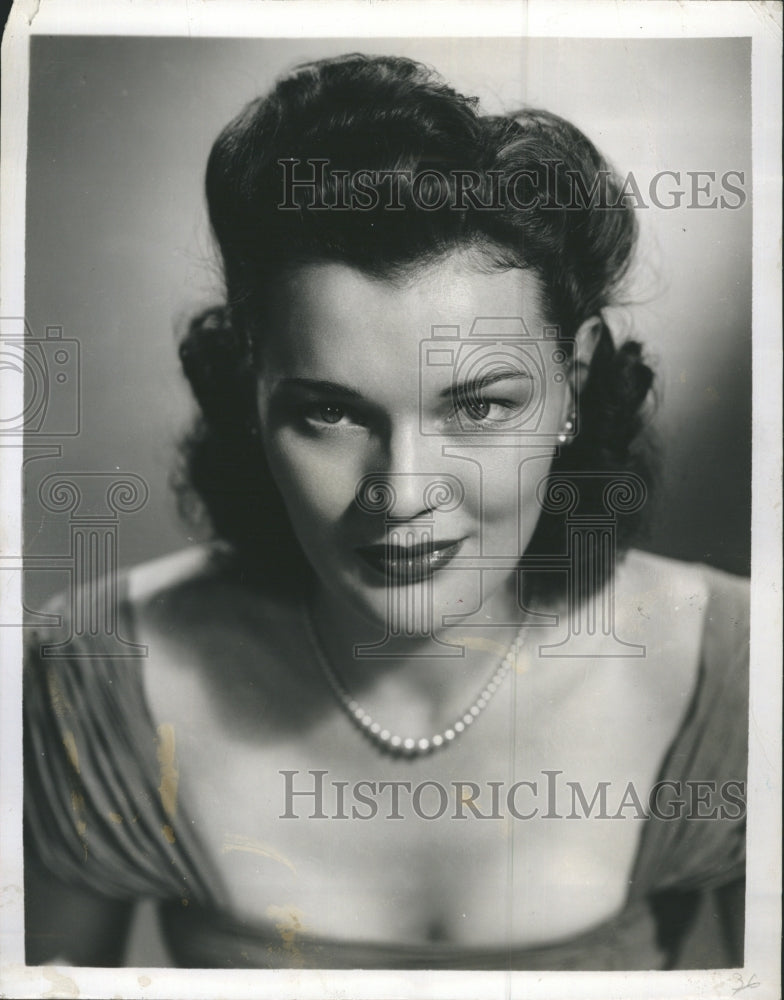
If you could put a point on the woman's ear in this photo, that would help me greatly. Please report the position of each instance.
(585, 342)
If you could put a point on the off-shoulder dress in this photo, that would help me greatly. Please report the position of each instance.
(95, 818)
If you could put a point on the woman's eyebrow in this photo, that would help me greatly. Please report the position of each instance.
(328, 387)
(319, 385)
(474, 385)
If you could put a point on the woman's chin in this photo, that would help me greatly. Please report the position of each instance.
(412, 611)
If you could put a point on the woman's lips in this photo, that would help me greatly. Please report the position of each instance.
(401, 564)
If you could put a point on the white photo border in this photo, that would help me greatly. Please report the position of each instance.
(567, 18)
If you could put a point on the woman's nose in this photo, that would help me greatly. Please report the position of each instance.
(414, 479)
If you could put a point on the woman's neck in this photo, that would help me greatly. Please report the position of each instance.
(414, 682)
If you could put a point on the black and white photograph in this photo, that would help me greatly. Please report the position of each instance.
(390, 426)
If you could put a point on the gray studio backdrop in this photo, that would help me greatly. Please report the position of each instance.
(119, 252)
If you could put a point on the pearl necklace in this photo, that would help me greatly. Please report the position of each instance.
(390, 742)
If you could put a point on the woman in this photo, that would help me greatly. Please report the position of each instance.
(420, 643)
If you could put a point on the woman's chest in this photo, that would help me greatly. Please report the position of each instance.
(524, 830)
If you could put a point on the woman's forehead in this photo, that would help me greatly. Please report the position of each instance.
(331, 308)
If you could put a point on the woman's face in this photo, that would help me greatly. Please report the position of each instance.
(372, 392)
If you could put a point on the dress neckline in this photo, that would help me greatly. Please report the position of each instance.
(217, 910)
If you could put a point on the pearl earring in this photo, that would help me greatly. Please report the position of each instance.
(568, 429)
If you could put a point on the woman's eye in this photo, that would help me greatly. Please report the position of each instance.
(321, 415)
(482, 411)
(478, 409)
(331, 414)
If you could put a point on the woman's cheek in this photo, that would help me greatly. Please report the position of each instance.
(511, 508)
(314, 477)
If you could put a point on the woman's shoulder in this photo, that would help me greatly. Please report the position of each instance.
(178, 575)
(671, 585)
(692, 621)
(214, 637)
(196, 588)
(716, 604)
(181, 612)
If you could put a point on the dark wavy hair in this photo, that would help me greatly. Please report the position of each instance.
(392, 114)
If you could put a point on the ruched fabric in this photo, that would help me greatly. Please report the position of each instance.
(95, 809)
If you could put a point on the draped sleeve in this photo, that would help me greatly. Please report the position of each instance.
(692, 858)
(98, 777)
(696, 838)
